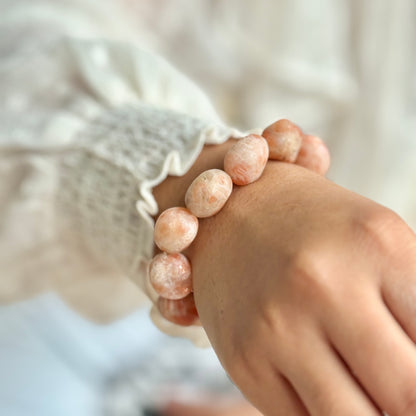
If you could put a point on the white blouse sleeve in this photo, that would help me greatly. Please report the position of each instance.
(87, 128)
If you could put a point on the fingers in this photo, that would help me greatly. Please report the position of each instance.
(378, 352)
(283, 400)
(400, 297)
(235, 409)
(273, 395)
(179, 409)
(398, 288)
(323, 382)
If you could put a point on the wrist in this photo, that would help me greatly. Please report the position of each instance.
(205, 189)
(244, 206)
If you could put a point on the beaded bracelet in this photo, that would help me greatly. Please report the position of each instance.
(170, 272)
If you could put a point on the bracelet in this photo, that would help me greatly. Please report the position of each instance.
(170, 272)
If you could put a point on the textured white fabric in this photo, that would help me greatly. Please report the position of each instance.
(87, 128)
(72, 80)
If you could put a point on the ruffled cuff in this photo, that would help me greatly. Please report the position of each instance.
(106, 182)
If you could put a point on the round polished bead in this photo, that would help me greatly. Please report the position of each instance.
(246, 160)
(314, 155)
(175, 229)
(208, 193)
(284, 139)
(170, 275)
(181, 312)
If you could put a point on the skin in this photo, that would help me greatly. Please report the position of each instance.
(213, 409)
(307, 292)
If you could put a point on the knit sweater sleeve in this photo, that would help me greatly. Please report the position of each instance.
(88, 126)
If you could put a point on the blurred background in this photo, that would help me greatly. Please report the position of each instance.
(343, 69)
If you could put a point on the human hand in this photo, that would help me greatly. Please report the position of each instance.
(308, 294)
(241, 408)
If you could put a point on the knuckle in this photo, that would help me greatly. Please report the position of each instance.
(381, 229)
(308, 275)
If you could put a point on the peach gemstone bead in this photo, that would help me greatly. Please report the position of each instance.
(284, 139)
(170, 275)
(314, 155)
(246, 160)
(208, 193)
(181, 312)
(175, 229)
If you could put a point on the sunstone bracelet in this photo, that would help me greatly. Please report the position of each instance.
(170, 272)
